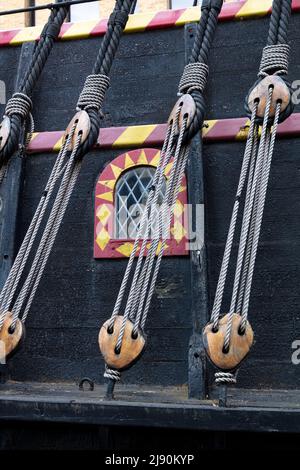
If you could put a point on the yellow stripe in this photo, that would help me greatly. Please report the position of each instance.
(58, 145)
(139, 22)
(188, 16)
(254, 8)
(207, 127)
(135, 135)
(26, 35)
(82, 29)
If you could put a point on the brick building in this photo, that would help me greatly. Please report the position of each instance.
(80, 12)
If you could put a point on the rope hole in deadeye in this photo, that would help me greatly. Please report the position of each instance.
(11, 329)
(134, 335)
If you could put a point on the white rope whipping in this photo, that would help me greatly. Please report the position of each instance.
(194, 77)
(275, 60)
(93, 93)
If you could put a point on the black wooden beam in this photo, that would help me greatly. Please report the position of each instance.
(157, 415)
(11, 187)
(199, 283)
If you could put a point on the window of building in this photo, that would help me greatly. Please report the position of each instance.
(121, 193)
(131, 196)
(177, 4)
(85, 11)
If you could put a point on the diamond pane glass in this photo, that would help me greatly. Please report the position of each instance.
(131, 196)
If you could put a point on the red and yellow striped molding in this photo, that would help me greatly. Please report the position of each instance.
(234, 10)
(153, 134)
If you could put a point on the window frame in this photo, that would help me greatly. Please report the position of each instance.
(105, 243)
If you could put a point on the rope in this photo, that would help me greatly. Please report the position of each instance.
(176, 147)
(275, 56)
(255, 171)
(20, 105)
(205, 33)
(61, 183)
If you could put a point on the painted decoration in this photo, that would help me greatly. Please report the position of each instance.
(106, 245)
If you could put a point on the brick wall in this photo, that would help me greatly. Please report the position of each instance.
(17, 21)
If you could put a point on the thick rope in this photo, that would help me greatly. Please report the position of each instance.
(275, 56)
(65, 172)
(19, 106)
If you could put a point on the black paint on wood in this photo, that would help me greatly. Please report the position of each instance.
(199, 300)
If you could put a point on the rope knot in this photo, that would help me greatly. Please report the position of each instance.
(225, 378)
(194, 77)
(275, 60)
(93, 93)
(19, 104)
(112, 374)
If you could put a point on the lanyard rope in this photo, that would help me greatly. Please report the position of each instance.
(81, 135)
(122, 337)
(228, 338)
(17, 115)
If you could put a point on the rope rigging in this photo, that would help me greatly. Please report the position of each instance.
(228, 338)
(17, 116)
(81, 135)
(122, 338)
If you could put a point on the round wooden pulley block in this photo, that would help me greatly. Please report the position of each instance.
(10, 337)
(240, 343)
(260, 94)
(131, 348)
(82, 124)
(4, 131)
(187, 107)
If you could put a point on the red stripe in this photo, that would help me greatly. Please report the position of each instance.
(296, 5)
(7, 36)
(225, 129)
(157, 136)
(290, 127)
(109, 135)
(64, 29)
(44, 142)
(165, 19)
(100, 28)
(230, 10)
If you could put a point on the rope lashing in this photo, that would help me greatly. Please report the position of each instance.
(16, 298)
(228, 338)
(19, 104)
(122, 337)
(19, 107)
(193, 78)
(227, 378)
(93, 93)
(112, 374)
(275, 60)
